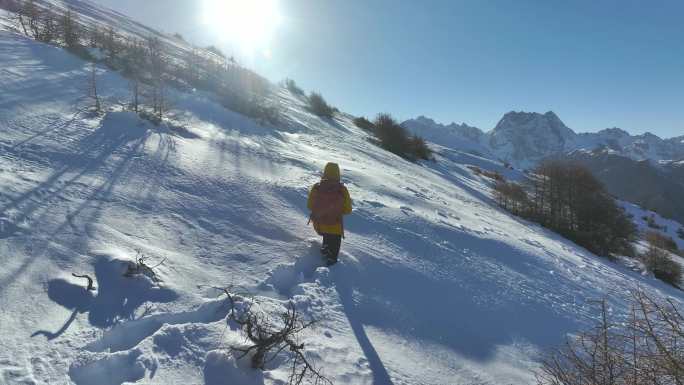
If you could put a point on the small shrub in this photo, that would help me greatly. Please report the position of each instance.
(662, 241)
(651, 222)
(140, 267)
(475, 169)
(663, 267)
(319, 106)
(394, 138)
(263, 111)
(292, 86)
(254, 106)
(680, 232)
(364, 123)
(269, 336)
(489, 174)
(418, 148)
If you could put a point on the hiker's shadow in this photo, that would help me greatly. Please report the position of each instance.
(117, 297)
(345, 291)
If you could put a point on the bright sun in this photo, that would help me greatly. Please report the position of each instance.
(248, 24)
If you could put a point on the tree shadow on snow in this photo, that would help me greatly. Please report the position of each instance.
(117, 297)
(119, 133)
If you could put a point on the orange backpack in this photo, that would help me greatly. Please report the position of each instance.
(328, 203)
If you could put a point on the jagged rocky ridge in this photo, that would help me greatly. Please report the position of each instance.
(525, 138)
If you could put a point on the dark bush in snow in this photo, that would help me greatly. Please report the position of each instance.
(651, 222)
(319, 106)
(662, 241)
(292, 86)
(254, 106)
(657, 259)
(659, 262)
(71, 33)
(680, 232)
(418, 148)
(394, 138)
(489, 174)
(364, 123)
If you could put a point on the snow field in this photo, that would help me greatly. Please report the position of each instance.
(435, 284)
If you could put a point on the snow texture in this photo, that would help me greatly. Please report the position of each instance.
(435, 284)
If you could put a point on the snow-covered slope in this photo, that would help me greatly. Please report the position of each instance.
(525, 138)
(664, 226)
(435, 284)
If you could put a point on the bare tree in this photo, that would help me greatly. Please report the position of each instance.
(92, 88)
(134, 63)
(95, 37)
(111, 43)
(70, 30)
(646, 348)
(43, 23)
(28, 15)
(193, 63)
(157, 64)
(568, 199)
(18, 8)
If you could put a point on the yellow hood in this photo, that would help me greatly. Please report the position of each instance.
(331, 172)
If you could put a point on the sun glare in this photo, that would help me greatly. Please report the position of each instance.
(248, 24)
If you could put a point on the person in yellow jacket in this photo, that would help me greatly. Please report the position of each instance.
(328, 202)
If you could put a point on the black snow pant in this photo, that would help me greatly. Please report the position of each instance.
(331, 246)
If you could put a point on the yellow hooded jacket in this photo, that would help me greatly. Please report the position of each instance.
(331, 172)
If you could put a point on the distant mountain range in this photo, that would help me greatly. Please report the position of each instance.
(643, 169)
(524, 138)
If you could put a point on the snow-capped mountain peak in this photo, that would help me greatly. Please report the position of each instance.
(523, 138)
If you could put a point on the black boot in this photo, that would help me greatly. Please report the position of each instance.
(331, 248)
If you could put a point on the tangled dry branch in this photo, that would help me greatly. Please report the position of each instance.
(268, 338)
(90, 287)
(141, 267)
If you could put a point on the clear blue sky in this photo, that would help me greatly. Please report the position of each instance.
(597, 64)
